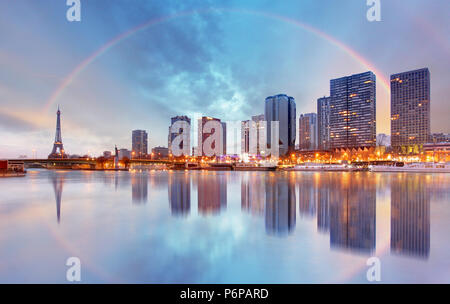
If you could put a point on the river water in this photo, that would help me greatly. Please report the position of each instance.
(224, 227)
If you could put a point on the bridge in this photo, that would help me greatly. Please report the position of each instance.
(69, 162)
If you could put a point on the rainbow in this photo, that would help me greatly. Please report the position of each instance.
(110, 44)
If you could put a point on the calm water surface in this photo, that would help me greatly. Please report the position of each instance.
(224, 227)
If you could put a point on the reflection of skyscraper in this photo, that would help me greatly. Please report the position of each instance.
(410, 216)
(323, 203)
(212, 192)
(280, 205)
(307, 195)
(352, 214)
(139, 187)
(253, 193)
(180, 193)
(58, 183)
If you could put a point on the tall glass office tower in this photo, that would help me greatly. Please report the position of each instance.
(282, 108)
(323, 122)
(139, 143)
(307, 131)
(353, 111)
(410, 110)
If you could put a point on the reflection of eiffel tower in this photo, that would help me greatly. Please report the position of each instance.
(58, 149)
(58, 183)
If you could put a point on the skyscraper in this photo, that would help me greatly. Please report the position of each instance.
(307, 131)
(353, 111)
(281, 108)
(410, 110)
(139, 144)
(202, 135)
(245, 137)
(173, 135)
(323, 122)
(260, 127)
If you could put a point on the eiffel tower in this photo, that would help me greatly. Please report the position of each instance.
(58, 149)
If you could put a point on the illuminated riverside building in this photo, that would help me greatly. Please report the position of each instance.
(353, 214)
(410, 216)
(282, 108)
(180, 193)
(172, 136)
(410, 110)
(139, 143)
(323, 122)
(307, 131)
(353, 111)
(280, 211)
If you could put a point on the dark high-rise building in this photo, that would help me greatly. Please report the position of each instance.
(353, 111)
(307, 131)
(139, 144)
(245, 137)
(323, 122)
(410, 110)
(224, 137)
(282, 108)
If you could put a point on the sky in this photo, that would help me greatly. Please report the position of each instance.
(134, 64)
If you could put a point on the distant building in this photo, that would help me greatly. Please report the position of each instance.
(139, 144)
(410, 110)
(323, 122)
(173, 135)
(353, 111)
(282, 108)
(124, 153)
(107, 154)
(307, 131)
(160, 153)
(440, 138)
